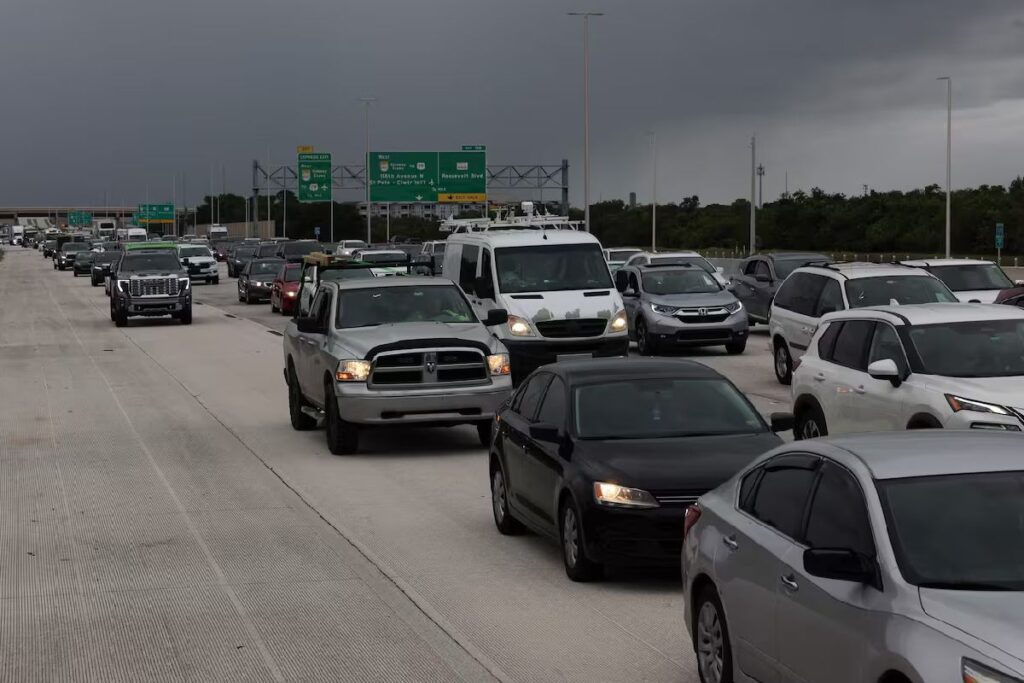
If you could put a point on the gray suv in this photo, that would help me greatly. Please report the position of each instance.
(680, 306)
(393, 351)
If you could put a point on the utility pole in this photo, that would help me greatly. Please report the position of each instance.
(760, 186)
(586, 112)
(367, 101)
(786, 195)
(654, 191)
(949, 153)
(753, 207)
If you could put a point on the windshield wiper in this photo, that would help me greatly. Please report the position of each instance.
(964, 586)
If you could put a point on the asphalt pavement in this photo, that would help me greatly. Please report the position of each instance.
(161, 520)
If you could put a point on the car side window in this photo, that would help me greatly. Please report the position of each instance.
(761, 268)
(782, 492)
(851, 349)
(886, 345)
(552, 410)
(747, 488)
(467, 268)
(316, 309)
(838, 515)
(785, 297)
(807, 293)
(831, 299)
(827, 341)
(529, 395)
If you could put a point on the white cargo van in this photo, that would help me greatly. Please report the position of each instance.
(555, 285)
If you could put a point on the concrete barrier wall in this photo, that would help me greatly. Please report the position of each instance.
(264, 229)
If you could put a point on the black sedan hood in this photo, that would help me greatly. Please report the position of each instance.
(695, 462)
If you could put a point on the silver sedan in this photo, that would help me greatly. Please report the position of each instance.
(886, 558)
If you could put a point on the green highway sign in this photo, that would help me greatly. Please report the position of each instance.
(1000, 236)
(428, 176)
(315, 177)
(79, 218)
(474, 148)
(155, 213)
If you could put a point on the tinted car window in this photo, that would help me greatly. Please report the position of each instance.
(827, 342)
(552, 411)
(886, 345)
(784, 297)
(831, 299)
(992, 348)
(782, 493)
(903, 289)
(747, 488)
(165, 262)
(852, 344)
(807, 292)
(972, 277)
(761, 268)
(838, 516)
(467, 268)
(529, 396)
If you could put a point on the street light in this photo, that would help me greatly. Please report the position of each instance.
(367, 101)
(760, 186)
(586, 112)
(949, 152)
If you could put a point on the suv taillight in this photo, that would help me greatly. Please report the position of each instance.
(692, 515)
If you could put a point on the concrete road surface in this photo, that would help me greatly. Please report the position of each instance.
(161, 520)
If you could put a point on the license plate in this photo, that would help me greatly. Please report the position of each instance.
(572, 356)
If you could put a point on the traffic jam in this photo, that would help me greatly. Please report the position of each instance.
(845, 539)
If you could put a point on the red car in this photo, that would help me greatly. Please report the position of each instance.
(284, 292)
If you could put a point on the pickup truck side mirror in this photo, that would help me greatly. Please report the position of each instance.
(761, 277)
(496, 316)
(544, 432)
(630, 294)
(308, 325)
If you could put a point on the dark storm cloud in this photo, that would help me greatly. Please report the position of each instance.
(117, 96)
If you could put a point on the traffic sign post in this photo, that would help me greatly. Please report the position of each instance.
(316, 232)
(314, 171)
(406, 177)
(1000, 243)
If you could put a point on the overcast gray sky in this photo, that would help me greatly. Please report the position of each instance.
(119, 96)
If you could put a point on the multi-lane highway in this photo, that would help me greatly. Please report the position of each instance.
(161, 520)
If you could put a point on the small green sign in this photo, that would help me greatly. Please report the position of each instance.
(1000, 236)
(428, 176)
(315, 177)
(474, 148)
(79, 218)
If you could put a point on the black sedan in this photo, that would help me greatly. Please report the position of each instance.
(256, 280)
(101, 262)
(82, 265)
(604, 456)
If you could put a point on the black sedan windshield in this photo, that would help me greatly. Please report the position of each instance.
(244, 252)
(555, 267)
(268, 267)
(300, 248)
(162, 262)
(990, 348)
(903, 289)
(75, 246)
(683, 281)
(661, 408)
(412, 304)
(958, 532)
(966, 278)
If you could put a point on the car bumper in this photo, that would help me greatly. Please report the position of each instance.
(259, 292)
(361, 405)
(671, 331)
(526, 355)
(650, 537)
(207, 274)
(288, 303)
(154, 305)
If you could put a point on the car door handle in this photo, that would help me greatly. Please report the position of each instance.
(730, 542)
(820, 377)
(789, 582)
(860, 389)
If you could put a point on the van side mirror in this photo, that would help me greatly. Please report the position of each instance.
(842, 564)
(484, 287)
(496, 316)
(761, 277)
(308, 325)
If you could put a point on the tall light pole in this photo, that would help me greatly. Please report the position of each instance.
(949, 153)
(654, 190)
(760, 186)
(367, 101)
(586, 112)
(753, 206)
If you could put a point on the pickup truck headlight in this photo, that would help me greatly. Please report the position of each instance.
(498, 364)
(352, 371)
(618, 322)
(122, 285)
(972, 672)
(184, 284)
(614, 495)
(519, 327)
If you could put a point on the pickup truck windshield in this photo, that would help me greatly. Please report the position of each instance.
(137, 263)
(551, 268)
(393, 305)
(189, 252)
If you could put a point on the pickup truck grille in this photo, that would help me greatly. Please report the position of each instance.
(429, 366)
(572, 327)
(153, 286)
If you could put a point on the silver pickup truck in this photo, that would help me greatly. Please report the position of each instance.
(393, 351)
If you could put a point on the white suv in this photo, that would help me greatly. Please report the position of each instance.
(676, 258)
(813, 291)
(978, 282)
(953, 366)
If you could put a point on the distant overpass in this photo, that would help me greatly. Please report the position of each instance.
(10, 214)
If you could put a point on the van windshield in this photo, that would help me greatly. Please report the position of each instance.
(551, 268)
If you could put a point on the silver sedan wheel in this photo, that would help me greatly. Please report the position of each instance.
(570, 536)
(811, 429)
(498, 496)
(710, 647)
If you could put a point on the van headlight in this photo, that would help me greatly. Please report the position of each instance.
(519, 327)
(498, 364)
(618, 322)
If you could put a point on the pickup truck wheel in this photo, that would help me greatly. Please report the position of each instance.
(484, 431)
(120, 318)
(75, 273)
(186, 316)
(342, 436)
(301, 422)
(216, 280)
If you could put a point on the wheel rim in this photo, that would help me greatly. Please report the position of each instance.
(781, 365)
(641, 337)
(570, 537)
(710, 643)
(498, 496)
(811, 430)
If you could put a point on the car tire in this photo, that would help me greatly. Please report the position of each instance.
(810, 423)
(644, 344)
(273, 306)
(783, 363)
(737, 347)
(216, 280)
(711, 639)
(186, 316)
(248, 298)
(578, 566)
(75, 273)
(240, 298)
(484, 432)
(301, 422)
(342, 436)
(120, 318)
(503, 519)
